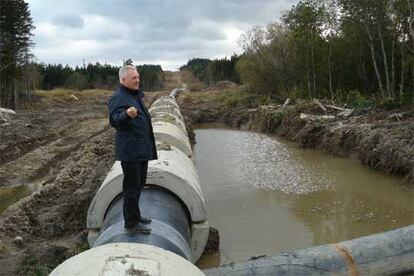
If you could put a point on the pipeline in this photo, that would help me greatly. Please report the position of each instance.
(388, 253)
(172, 197)
(176, 91)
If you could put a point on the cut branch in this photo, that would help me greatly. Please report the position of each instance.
(320, 105)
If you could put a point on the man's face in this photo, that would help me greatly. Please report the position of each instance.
(131, 80)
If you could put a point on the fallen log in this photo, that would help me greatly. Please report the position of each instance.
(336, 107)
(345, 112)
(262, 107)
(397, 116)
(7, 110)
(5, 114)
(309, 117)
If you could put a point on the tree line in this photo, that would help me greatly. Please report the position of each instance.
(213, 71)
(93, 76)
(344, 50)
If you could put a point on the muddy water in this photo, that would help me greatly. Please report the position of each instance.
(10, 195)
(266, 195)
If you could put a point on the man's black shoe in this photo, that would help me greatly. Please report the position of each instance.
(145, 220)
(138, 229)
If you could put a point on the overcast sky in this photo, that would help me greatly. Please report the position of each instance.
(162, 32)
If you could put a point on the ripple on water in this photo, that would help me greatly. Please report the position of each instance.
(268, 164)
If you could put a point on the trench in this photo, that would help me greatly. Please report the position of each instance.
(267, 195)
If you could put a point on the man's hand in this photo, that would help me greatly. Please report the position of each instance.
(132, 112)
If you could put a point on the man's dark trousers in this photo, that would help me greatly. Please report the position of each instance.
(135, 175)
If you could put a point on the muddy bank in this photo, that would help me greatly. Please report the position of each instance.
(49, 226)
(66, 146)
(382, 139)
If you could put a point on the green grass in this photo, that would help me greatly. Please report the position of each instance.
(63, 92)
(33, 267)
(80, 247)
(242, 98)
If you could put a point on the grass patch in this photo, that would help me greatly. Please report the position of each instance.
(80, 247)
(236, 97)
(193, 84)
(33, 267)
(239, 98)
(63, 93)
(62, 96)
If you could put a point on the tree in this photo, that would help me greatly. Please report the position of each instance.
(152, 77)
(76, 81)
(15, 32)
(198, 66)
(330, 13)
(304, 21)
(222, 69)
(369, 15)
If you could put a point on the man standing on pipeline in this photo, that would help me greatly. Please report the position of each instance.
(134, 144)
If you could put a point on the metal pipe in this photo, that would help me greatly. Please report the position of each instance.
(389, 253)
(170, 226)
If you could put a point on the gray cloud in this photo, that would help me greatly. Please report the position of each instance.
(68, 20)
(157, 31)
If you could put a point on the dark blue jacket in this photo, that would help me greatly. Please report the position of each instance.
(134, 138)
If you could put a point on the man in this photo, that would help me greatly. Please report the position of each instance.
(134, 144)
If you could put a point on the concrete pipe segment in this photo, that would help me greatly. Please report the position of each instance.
(168, 124)
(116, 259)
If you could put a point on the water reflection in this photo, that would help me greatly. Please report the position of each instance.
(267, 195)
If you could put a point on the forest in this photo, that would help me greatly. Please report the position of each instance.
(356, 52)
(93, 76)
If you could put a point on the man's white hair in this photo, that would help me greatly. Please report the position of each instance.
(124, 70)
